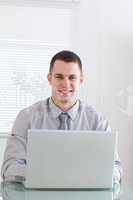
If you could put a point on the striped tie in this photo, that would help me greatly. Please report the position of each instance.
(64, 121)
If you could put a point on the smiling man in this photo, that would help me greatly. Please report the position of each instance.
(63, 110)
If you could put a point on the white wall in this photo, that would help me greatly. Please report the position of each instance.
(104, 38)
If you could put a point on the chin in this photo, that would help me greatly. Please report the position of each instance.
(66, 99)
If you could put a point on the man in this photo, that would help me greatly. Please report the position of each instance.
(65, 77)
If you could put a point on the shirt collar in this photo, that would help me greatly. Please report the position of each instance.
(56, 111)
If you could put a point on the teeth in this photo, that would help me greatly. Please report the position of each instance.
(66, 91)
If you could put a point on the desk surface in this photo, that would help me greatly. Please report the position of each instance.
(15, 191)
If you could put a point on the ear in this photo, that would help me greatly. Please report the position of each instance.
(82, 79)
(49, 77)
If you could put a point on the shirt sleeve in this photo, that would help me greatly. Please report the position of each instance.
(13, 167)
(102, 124)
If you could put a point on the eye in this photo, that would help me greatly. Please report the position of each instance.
(72, 77)
(59, 77)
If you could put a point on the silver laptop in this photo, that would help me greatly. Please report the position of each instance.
(70, 159)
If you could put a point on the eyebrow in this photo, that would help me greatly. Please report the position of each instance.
(65, 75)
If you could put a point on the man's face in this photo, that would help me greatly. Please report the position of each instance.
(65, 80)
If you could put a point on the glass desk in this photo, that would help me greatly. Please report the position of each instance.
(16, 191)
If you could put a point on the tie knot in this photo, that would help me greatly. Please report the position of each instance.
(63, 117)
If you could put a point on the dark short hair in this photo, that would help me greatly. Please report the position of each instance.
(66, 56)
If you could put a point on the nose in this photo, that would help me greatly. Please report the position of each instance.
(66, 82)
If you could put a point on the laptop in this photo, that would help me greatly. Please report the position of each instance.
(71, 159)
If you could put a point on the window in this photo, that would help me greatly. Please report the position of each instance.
(29, 37)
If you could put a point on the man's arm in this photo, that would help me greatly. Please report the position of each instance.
(102, 124)
(13, 167)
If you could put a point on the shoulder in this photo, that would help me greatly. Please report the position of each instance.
(35, 108)
(88, 109)
(96, 119)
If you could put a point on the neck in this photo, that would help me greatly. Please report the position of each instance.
(64, 106)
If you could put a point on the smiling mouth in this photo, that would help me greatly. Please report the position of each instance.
(65, 92)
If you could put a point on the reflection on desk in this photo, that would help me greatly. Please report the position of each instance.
(16, 191)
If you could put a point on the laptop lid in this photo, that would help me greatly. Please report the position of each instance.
(70, 159)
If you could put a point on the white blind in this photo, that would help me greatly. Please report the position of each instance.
(24, 66)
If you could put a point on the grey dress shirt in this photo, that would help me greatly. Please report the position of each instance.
(44, 115)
